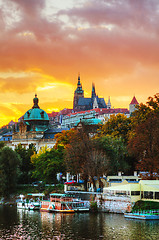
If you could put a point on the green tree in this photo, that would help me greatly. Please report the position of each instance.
(116, 150)
(2, 144)
(26, 166)
(47, 163)
(115, 133)
(9, 171)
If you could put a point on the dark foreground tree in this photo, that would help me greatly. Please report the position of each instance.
(144, 139)
(82, 156)
(9, 171)
(26, 166)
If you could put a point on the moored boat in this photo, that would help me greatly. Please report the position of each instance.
(32, 202)
(63, 203)
(143, 216)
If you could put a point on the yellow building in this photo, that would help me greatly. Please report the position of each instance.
(146, 190)
(121, 197)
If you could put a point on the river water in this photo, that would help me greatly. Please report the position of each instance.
(24, 224)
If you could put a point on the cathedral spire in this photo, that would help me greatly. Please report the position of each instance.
(93, 91)
(79, 83)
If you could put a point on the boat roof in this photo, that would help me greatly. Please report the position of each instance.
(36, 194)
(58, 194)
(61, 194)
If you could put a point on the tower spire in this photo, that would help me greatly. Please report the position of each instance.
(109, 103)
(93, 91)
(79, 93)
(79, 82)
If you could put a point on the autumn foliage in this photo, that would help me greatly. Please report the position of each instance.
(144, 138)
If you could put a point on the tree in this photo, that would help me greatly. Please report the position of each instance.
(144, 138)
(63, 138)
(116, 150)
(47, 164)
(117, 126)
(84, 157)
(2, 144)
(26, 166)
(9, 170)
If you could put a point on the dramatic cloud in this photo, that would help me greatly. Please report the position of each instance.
(44, 44)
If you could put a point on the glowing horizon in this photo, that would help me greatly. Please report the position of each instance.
(45, 44)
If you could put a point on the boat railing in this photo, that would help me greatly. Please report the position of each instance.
(61, 199)
(149, 212)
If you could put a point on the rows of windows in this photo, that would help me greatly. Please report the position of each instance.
(151, 195)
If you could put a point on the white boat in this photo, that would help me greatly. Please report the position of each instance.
(32, 202)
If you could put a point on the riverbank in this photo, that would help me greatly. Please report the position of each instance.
(24, 189)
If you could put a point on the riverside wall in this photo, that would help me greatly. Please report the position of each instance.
(114, 204)
(106, 203)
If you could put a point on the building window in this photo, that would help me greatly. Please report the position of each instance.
(156, 195)
(135, 193)
(148, 195)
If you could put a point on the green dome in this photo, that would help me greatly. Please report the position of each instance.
(36, 114)
(36, 118)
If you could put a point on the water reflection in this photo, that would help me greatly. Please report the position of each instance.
(23, 224)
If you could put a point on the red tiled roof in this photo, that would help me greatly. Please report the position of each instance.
(134, 101)
(53, 114)
(65, 111)
(102, 111)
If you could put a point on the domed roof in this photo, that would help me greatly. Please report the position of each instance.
(36, 113)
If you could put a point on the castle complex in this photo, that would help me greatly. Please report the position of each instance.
(93, 108)
(39, 128)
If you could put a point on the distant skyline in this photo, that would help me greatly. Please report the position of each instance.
(45, 44)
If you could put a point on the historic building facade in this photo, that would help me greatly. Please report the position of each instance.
(34, 129)
(102, 114)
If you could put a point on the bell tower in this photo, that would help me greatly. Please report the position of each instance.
(78, 93)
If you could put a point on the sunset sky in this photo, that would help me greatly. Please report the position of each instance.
(44, 44)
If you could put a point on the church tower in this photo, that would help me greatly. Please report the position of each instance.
(79, 93)
(132, 105)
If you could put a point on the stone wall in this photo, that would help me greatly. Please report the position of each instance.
(114, 204)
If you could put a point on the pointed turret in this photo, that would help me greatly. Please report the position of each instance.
(134, 101)
(109, 103)
(132, 105)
